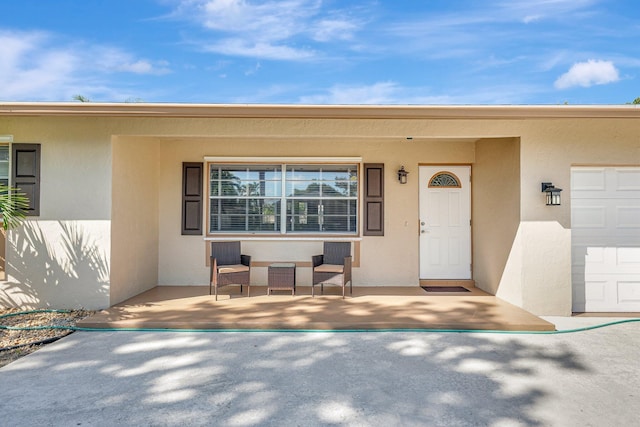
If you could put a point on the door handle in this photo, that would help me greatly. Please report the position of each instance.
(421, 227)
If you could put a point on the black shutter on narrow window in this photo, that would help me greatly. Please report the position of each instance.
(373, 199)
(25, 173)
(192, 198)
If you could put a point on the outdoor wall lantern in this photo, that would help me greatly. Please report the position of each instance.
(402, 175)
(553, 193)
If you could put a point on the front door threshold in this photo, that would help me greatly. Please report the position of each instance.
(467, 283)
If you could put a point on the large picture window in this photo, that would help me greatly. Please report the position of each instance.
(283, 198)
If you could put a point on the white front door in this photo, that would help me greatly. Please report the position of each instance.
(445, 222)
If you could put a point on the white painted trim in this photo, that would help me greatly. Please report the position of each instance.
(284, 239)
(6, 138)
(327, 160)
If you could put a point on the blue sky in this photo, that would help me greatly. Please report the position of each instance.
(430, 52)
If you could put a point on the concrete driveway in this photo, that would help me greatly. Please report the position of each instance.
(328, 378)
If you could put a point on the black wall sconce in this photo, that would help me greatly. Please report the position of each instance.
(402, 175)
(553, 193)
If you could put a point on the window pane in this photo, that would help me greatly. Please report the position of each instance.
(4, 163)
(245, 215)
(303, 189)
(322, 181)
(337, 215)
(4, 153)
(246, 181)
(302, 215)
(340, 225)
(340, 181)
(313, 215)
(303, 173)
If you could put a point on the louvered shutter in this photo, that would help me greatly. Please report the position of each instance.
(25, 174)
(192, 198)
(373, 199)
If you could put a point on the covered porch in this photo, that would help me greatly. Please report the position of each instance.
(369, 308)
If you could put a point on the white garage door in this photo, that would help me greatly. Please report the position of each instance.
(605, 230)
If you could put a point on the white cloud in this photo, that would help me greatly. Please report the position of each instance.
(333, 29)
(239, 47)
(273, 20)
(531, 18)
(392, 93)
(378, 93)
(585, 74)
(268, 29)
(529, 11)
(109, 59)
(38, 66)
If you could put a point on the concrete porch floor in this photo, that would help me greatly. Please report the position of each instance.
(369, 308)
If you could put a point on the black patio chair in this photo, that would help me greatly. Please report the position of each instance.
(229, 267)
(333, 267)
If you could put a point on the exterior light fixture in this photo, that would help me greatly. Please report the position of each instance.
(553, 193)
(402, 175)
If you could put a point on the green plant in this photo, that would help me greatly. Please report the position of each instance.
(13, 206)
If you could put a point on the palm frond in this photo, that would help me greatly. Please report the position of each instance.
(13, 206)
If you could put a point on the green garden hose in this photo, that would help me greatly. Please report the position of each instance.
(76, 328)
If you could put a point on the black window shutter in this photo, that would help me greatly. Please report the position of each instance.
(373, 199)
(25, 174)
(192, 198)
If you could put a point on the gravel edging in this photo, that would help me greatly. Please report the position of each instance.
(33, 330)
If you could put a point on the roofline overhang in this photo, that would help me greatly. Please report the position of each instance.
(171, 110)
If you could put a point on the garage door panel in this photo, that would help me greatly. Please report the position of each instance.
(588, 216)
(627, 180)
(612, 261)
(594, 291)
(628, 216)
(602, 295)
(595, 257)
(588, 179)
(629, 257)
(629, 293)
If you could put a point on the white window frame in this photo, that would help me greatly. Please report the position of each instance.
(284, 162)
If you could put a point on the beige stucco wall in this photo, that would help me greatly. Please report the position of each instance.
(522, 253)
(61, 259)
(496, 214)
(134, 217)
